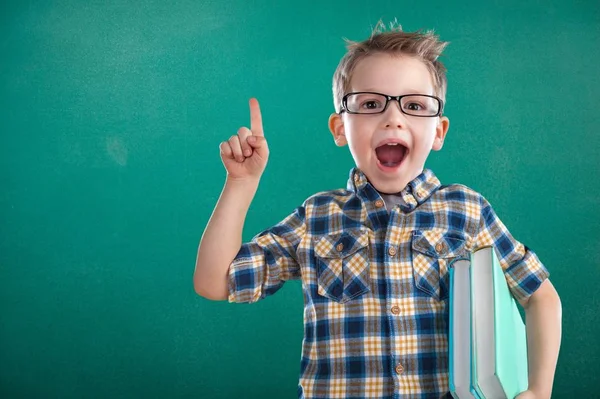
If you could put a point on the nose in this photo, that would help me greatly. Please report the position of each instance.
(393, 117)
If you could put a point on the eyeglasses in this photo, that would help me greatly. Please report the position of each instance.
(366, 102)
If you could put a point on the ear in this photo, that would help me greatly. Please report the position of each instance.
(336, 127)
(440, 133)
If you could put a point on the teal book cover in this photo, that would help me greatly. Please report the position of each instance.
(459, 341)
(511, 337)
(498, 334)
(451, 347)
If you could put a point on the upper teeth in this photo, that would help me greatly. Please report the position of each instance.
(392, 143)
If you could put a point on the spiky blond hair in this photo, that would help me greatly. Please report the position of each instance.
(423, 45)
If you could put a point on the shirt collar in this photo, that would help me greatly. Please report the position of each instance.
(414, 194)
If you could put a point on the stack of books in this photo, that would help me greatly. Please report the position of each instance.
(487, 340)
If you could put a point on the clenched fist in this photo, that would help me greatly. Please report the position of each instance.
(245, 155)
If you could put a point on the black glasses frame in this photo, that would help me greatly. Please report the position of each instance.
(344, 104)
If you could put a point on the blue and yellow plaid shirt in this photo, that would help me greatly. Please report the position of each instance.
(375, 282)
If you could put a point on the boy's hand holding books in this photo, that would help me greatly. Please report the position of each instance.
(526, 395)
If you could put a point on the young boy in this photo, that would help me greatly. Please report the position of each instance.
(373, 258)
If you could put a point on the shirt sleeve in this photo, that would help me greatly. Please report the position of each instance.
(262, 265)
(523, 270)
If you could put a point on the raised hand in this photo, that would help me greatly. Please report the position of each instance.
(245, 155)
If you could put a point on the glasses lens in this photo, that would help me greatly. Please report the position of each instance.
(365, 103)
(420, 105)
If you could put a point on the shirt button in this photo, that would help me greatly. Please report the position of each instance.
(420, 193)
(379, 203)
(396, 309)
(399, 369)
(356, 177)
(339, 247)
(440, 246)
(392, 251)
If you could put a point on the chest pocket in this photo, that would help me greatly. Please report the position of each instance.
(432, 252)
(342, 265)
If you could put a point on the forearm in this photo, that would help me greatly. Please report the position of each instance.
(543, 316)
(222, 238)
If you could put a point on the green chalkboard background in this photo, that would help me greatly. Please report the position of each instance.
(111, 113)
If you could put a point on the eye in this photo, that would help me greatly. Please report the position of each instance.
(371, 104)
(413, 106)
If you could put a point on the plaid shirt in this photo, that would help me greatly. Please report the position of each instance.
(375, 283)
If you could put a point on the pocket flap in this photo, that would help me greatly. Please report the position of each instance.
(439, 244)
(342, 244)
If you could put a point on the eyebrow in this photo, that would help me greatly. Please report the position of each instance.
(409, 91)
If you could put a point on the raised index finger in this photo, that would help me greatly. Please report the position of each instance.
(255, 118)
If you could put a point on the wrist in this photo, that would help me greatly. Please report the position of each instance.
(240, 191)
(243, 183)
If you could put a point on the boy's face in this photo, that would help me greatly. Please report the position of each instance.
(365, 133)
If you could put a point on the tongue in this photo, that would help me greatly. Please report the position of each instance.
(390, 154)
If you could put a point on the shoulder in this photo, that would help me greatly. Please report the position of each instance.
(325, 198)
(334, 208)
(458, 193)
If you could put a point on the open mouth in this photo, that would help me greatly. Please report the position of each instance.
(391, 154)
